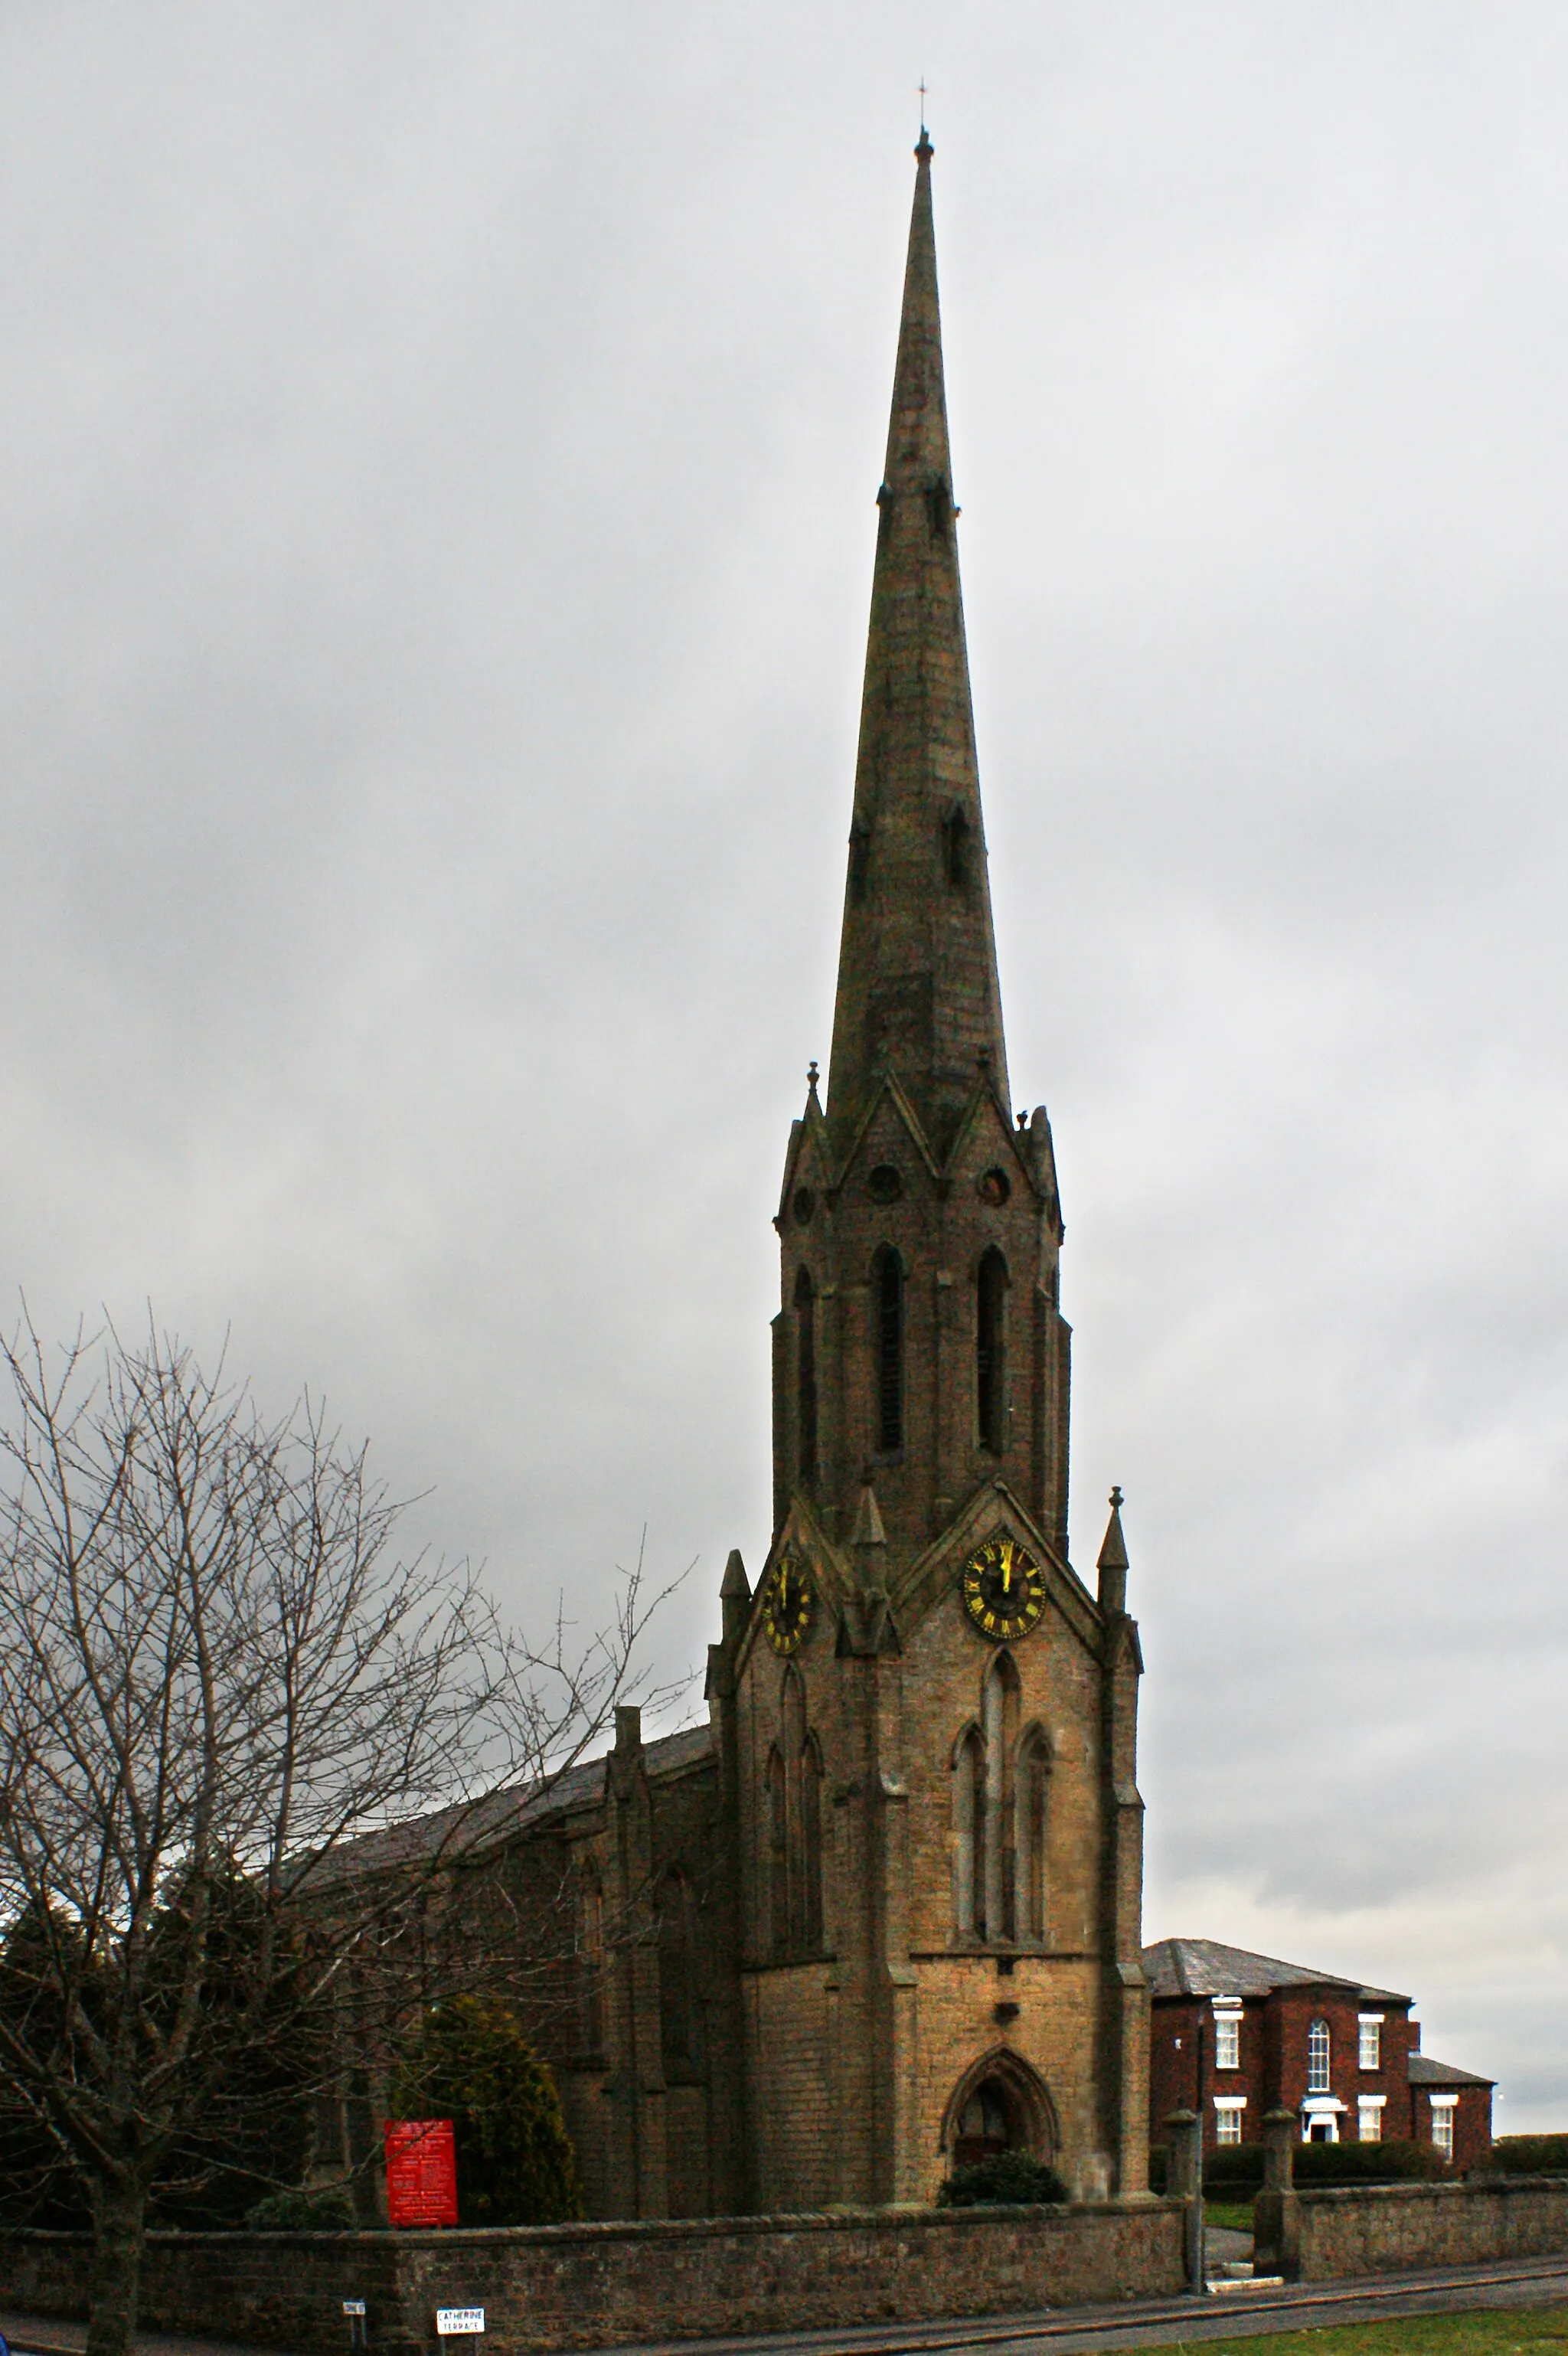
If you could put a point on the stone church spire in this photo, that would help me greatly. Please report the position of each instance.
(919, 1352)
(917, 969)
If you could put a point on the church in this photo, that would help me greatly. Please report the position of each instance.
(882, 1913)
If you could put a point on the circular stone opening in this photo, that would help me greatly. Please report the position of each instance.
(994, 1186)
(884, 1184)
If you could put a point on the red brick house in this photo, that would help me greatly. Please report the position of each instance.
(1235, 2034)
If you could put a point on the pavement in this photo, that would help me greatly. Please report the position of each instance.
(1240, 2312)
(37, 2335)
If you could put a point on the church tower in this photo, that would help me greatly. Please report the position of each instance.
(926, 1720)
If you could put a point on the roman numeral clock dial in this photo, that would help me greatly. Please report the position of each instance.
(788, 1605)
(1003, 1589)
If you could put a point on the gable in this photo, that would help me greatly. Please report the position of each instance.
(833, 1579)
(993, 1510)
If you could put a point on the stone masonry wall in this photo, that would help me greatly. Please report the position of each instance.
(1393, 2228)
(566, 2286)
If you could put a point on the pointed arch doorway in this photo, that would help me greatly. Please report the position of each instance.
(1000, 2104)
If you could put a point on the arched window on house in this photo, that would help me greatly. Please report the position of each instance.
(805, 1374)
(991, 1347)
(1031, 1797)
(778, 1854)
(678, 2013)
(888, 1343)
(588, 1944)
(1318, 2054)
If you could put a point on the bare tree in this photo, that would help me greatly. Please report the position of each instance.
(219, 1688)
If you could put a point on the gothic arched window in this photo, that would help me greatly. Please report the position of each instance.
(811, 1841)
(998, 1818)
(999, 1717)
(990, 1338)
(590, 1958)
(778, 1854)
(1032, 1795)
(968, 1829)
(806, 1374)
(795, 1825)
(678, 1970)
(888, 1340)
(792, 1743)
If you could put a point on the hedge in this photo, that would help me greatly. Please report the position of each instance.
(1235, 2171)
(1528, 2155)
(1369, 2163)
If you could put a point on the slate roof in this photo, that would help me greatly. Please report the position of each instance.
(1206, 1967)
(496, 1817)
(1426, 2071)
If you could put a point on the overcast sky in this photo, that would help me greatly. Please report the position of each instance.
(437, 485)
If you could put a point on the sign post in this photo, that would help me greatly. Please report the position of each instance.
(354, 2308)
(460, 2323)
(421, 2172)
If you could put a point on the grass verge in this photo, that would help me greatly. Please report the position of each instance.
(1491, 2331)
(1236, 2215)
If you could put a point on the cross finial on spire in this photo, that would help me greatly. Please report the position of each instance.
(925, 148)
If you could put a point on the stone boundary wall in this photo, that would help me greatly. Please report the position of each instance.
(545, 2288)
(1370, 2229)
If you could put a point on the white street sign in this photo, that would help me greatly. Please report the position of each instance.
(452, 2321)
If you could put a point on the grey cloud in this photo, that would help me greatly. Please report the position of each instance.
(437, 499)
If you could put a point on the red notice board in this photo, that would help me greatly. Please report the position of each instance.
(421, 2172)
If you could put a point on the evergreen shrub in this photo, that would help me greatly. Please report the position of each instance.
(302, 2210)
(472, 2063)
(1002, 2178)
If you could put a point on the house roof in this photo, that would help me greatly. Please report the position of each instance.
(1426, 2072)
(495, 1816)
(1206, 1967)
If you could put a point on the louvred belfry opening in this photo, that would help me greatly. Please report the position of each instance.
(887, 1307)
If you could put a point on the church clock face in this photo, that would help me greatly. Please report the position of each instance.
(1003, 1589)
(789, 1605)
